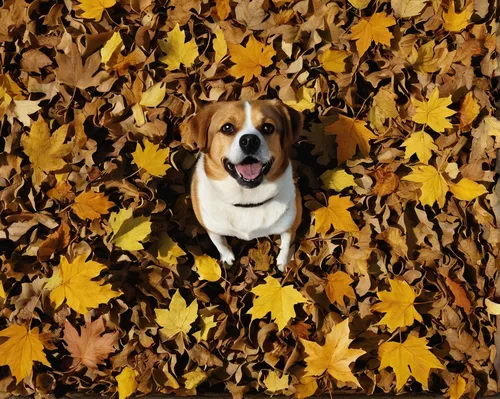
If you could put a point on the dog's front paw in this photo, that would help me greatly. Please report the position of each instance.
(282, 261)
(227, 257)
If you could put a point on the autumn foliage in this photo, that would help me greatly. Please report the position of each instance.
(109, 285)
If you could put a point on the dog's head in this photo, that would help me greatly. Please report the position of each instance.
(247, 140)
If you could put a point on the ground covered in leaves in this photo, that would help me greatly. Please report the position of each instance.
(108, 283)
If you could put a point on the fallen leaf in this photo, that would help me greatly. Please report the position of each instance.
(128, 230)
(337, 180)
(467, 190)
(433, 113)
(386, 182)
(93, 9)
(153, 96)
(457, 22)
(336, 214)
(457, 388)
(334, 356)
(469, 110)
(152, 159)
(303, 100)
(333, 60)
(422, 144)
(407, 8)
(127, 383)
(338, 286)
(207, 267)
(111, 50)
(178, 317)
(55, 242)
(91, 347)
(351, 134)
(75, 282)
(20, 350)
(274, 383)
(73, 72)
(410, 358)
(491, 307)
(272, 298)
(461, 298)
(220, 45)
(169, 251)
(90, 205)
(307, 387)
(398, 305)
(372, 29)
(434, 186)
(194, 378)
(177, 50)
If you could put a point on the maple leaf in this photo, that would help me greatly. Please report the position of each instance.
(408, 8)
(275, 383)
(434, 112)
(21, 110)
(272, 298)
(44, 150)
(178, 318)
(398, 305)
(127, 383)
(469, 110)
(250, 60)
(207, 267)
(373, 29)
(422, 144)
(333, 60)
(177, 50)
(74, 73)
(206, 323)
(337, 180)
(323, 144)
(194, 378)
(457, 388)
(457, 22)
(91, 205)
(152, 158)
(93, 9)
(336, 214)
(129, 231)
(334, 356)
(20, 350)
(411, 357)
(338, 286)
(91, 347)
(153, 96)
(351, 133)
(261, 256)
(434, 186)
(75, 282)
(303, 100)
(467, 189)
(220, 45)
(169, 251)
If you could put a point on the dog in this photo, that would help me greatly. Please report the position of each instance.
(243, 184)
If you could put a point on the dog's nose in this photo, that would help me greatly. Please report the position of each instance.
(249, 143)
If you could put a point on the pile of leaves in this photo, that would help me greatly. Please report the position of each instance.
(109, 284)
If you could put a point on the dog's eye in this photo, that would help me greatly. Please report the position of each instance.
(267, 128)
(227, 128)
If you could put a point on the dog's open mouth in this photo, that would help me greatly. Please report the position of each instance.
(250, 172)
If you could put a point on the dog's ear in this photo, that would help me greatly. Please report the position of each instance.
(194, 131)
(294, 121)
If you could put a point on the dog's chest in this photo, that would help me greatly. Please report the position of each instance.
(273, 217)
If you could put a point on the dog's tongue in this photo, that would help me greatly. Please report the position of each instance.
(249, 171)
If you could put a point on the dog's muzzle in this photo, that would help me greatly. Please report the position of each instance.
(250, 172)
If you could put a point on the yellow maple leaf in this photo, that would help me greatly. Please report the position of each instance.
(207, 267)
(434, 186)
(75, 282)
(153, 96)
(469, 110)
(422, 144)
(127, 383)
(333, 60)
(351, 134)
(337, 179)
(194, 378)
(177, 50)
(44, 150)
(206, 324)
(467, 189)
(250, 60)
(220, 45)
(272, 298)
(407, 8)
(411, 357)
(336, 214)
(303, 99)
(307, 387)
(129, 231)
(111, 50)
(20, 350)
(373, 29)
(93, 9)
(398, 305)
(383, 107)
(178, 317)
(152, 158)
(90, 205)
(338, 286)
(456, 22)
(457, 388)
(169, 251)
(334, 356)
(275, 383)
(434, 112)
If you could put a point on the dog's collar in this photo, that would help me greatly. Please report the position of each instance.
(253, 205)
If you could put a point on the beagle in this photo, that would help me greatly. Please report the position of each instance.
(243, 185)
